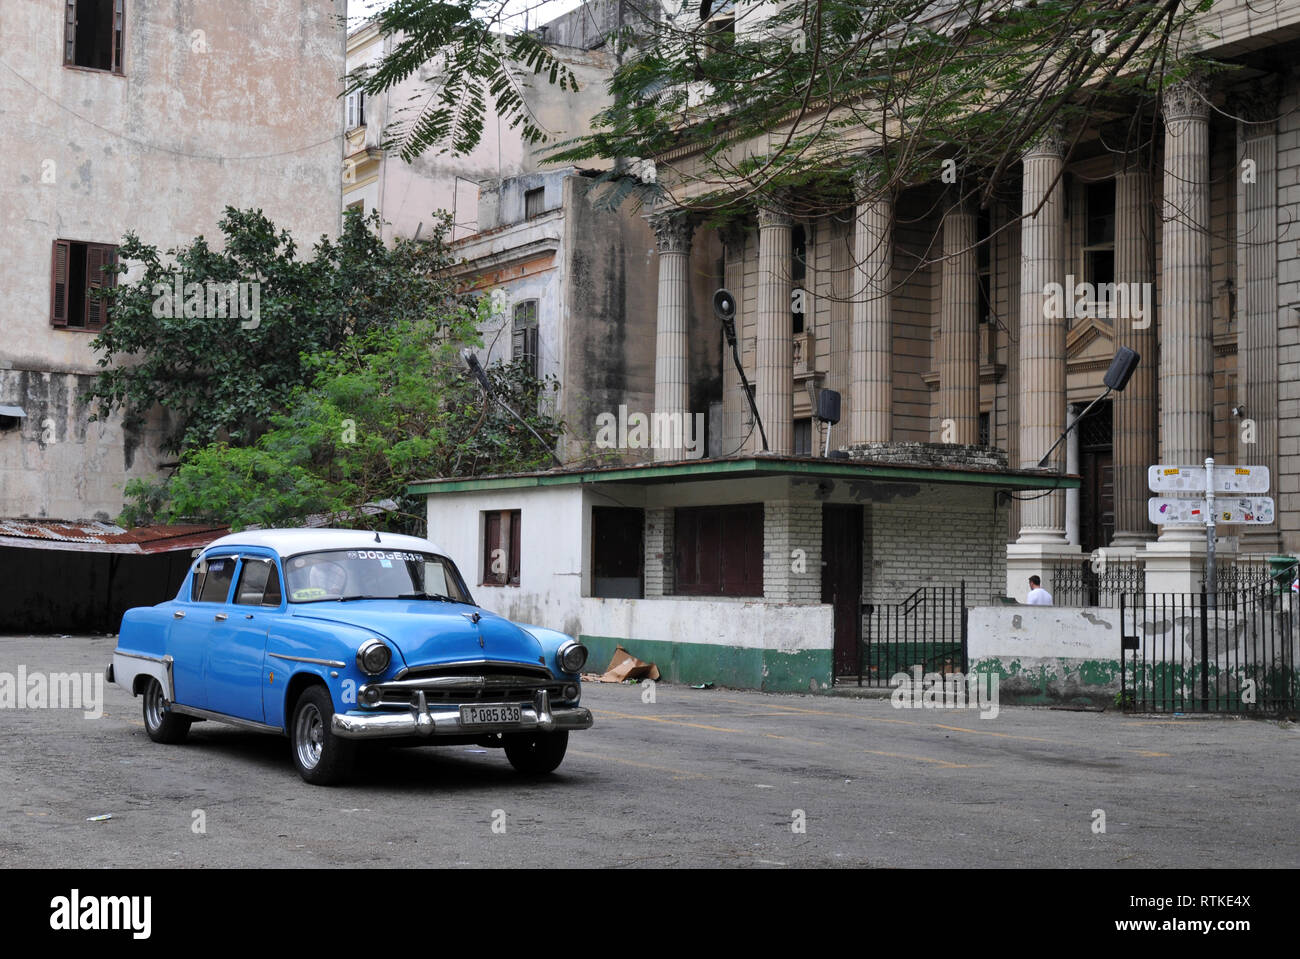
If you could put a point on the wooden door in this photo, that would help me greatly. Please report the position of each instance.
(842, 581)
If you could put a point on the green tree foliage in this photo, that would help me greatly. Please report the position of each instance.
(765, 98)
(381, 409)
(223, 377)
(792, 98)
(479, 67)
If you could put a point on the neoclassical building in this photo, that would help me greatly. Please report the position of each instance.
(941, 322)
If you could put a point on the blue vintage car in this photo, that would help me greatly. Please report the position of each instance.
(334, 637)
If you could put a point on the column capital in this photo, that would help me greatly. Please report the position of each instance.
(1256, 102)
(673, 230)
(774, 211)
(1187, 99)
(1050, 142)
(867, 186)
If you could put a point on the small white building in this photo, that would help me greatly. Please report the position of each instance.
(752, 572)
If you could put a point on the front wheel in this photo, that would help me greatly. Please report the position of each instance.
(536, 753)
(163, 725)
(322, 758)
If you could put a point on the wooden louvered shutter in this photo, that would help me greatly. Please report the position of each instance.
(98, 256)
(59, 284)
(70, 32)
(119, 26)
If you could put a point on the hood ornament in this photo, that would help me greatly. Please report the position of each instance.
(474, 617)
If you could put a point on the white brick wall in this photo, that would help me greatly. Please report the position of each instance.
(790, 577)
(924, 545)
(659, 552)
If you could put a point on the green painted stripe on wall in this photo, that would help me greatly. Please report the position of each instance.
(736, 666)
(1055, 680)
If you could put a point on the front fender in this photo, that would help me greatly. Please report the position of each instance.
(304, 650)
(550, 640)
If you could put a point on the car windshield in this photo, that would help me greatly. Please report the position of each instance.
(372, 574)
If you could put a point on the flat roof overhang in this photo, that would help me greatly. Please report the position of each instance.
(755, 467)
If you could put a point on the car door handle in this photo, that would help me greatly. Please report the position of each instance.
(248, 616)
(179, 614)
(220, 617)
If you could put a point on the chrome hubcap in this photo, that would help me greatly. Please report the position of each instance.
(309, 736)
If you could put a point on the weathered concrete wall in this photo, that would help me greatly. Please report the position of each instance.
(609, 316)
(1048, 653)
(56, 463)
(218, 104)
(748, 645)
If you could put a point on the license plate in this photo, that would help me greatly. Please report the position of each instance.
(489, 715)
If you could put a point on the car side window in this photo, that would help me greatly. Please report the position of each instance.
(259, 583)
(217, 573)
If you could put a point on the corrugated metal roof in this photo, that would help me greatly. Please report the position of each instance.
(105, 537)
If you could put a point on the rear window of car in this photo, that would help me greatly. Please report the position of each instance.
(212, 579)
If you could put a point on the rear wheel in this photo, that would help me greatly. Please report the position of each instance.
(322, 758)
(162, 725)
(536, 753)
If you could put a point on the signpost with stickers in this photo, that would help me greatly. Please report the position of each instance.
(1189, 496)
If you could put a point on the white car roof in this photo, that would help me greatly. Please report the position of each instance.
(288, 542)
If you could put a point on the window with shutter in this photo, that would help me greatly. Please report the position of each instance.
(719, 550)
(356, 102)
(59, 284)
(501, 548)
(81, 274)
(524, 340)
(98, 282)
(534, 202)
(93, 34)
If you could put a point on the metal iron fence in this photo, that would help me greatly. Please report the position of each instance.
(927, 629)
(1095, 582)
(1230, 651)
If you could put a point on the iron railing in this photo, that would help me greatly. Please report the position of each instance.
(927, 629)
(1231, 651)
(1095, 581)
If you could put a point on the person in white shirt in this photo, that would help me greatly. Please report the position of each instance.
(1037, 595)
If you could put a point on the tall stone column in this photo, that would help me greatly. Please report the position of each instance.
(774, 358)
(1186, 321)
(871, 337)
(1042, 337)
(959, 369)
(673, 231)
(1040, 378)
(1257, 276)
(1135, 407)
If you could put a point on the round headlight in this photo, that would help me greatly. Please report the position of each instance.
(370, 696)
(572, 656)
(373, 657)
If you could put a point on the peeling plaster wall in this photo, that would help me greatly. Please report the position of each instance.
(249, 120)
(610, 303)
(1048, 653)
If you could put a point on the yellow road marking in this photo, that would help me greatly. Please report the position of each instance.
(670, 722)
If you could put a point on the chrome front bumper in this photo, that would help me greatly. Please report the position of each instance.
(420, 720)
